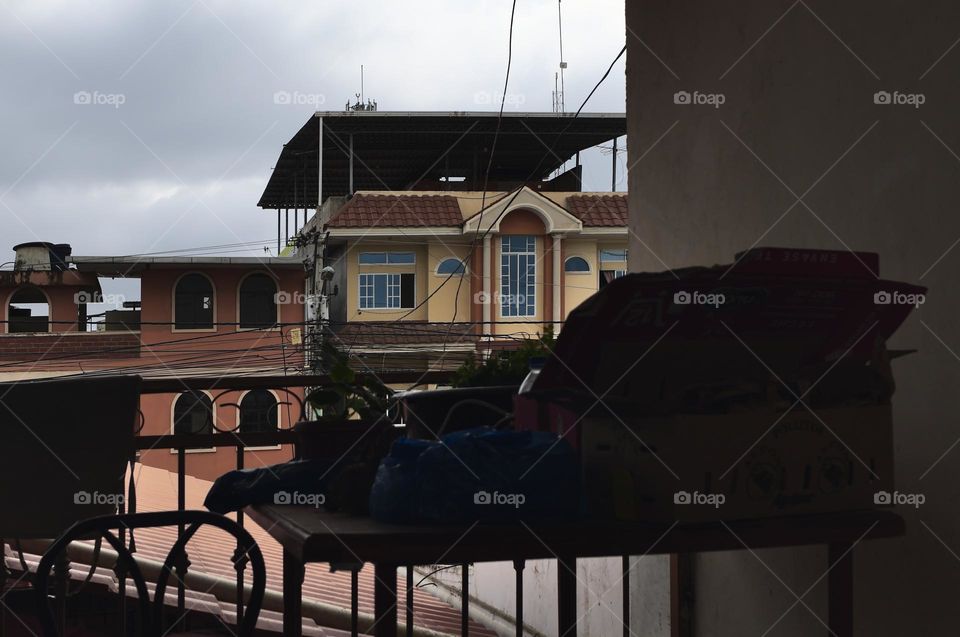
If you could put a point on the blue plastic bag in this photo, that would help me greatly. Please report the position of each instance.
(478, 475)
(395, 496)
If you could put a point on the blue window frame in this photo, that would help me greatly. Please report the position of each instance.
(518, 275)
(387, 258)
(387, 291)
(451, 266)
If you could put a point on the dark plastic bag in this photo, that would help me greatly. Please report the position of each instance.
(395, 495)
(478, 474)
(294, 482)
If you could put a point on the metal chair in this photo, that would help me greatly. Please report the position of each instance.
(151, 613)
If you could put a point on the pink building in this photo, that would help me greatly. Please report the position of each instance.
(196, 317)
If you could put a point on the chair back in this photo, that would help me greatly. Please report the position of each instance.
(152, 612)
(67, 443)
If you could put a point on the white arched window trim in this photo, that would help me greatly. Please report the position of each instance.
(173, 304)
(279, 420)
(213, 411)
(572, 257)
(276, 284)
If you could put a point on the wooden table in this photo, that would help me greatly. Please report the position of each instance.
(309, 535)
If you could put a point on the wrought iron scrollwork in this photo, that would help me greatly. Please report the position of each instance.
(152, 613)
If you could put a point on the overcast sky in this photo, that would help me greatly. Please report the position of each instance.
(134, 127)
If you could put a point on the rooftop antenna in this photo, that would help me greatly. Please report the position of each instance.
(360, 105)
(563, 64)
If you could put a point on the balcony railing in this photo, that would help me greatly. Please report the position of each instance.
(182, 443)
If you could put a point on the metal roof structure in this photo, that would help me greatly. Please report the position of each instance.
(398, 150)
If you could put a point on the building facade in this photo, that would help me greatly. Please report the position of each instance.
(495, 267)
(196, 317)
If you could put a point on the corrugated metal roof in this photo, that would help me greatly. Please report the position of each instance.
(394, 150)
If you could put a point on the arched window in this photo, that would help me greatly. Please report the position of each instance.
(193, 414)
(28, 311)
(258, 301)
(258, 411)
(451, 266)
(577, 265)
(193, 303)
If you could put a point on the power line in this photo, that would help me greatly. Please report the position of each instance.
(486, 176)
(516, 192)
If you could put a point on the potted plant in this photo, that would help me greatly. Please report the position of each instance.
(482, 393)
(352, 429)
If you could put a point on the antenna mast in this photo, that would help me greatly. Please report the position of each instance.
(559, 105)
(360, 105)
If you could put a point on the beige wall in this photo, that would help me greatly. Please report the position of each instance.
(799, 115)
(578, 287)
(354, 269)
(441, 304)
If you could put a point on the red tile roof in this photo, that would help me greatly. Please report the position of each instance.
(372, 333)
(398, 211)
(599, 210)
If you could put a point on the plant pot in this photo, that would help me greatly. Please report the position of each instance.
(354, 449)
(425, 412)
(321, 440)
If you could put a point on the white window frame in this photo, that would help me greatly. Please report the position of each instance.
(386, 258)
(397, 286)
(529, 258)
(600, 258)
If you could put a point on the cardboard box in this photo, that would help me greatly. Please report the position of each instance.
(754, 464)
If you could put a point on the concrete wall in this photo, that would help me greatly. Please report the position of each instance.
(798, 82)
(598, 596)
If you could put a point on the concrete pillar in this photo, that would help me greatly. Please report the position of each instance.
(557, 283)
(487, 294)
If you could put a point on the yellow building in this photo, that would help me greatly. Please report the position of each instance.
(433, 267)
(449, 231)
